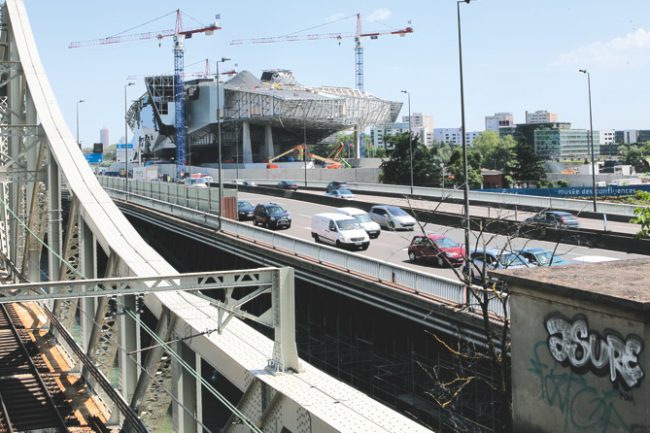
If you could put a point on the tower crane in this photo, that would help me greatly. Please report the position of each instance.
(358, 51)
(179, 36)
(357, 35)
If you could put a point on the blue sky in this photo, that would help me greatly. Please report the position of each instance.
(518, 54)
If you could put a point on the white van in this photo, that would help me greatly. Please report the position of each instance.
(340, 230)
(372, 228)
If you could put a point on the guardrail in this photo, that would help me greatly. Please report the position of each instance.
(494, 198)
(441, 288)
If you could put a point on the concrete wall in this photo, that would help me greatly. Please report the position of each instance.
(557, 385)
(360, 175)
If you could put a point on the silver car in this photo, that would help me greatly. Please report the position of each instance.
(392, 217)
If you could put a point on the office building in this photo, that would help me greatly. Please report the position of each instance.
(632, 136)
(421, 126)
(104, 137)
(498, 120)
(541, 116)
(454, 136)
(564, 144)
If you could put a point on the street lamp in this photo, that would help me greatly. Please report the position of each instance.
(591, 140)
(462, 120)
(223, 60)
(304, 143)
(78, 102)
(126, 141)
(408, 94)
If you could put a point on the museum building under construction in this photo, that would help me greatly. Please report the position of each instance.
(260, 118)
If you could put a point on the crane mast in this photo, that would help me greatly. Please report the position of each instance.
(358, 56)
(179, 36)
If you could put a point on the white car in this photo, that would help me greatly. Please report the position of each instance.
(343, 193)
(339, 230)
(196, 182)
(392, 217)
(372, 228)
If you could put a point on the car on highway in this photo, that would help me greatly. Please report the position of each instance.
(243, 182)
(245, 210)
(340, 230)
(287, 184)
(392, 217)
(343, 193)
(336, 184)
(487, 259)
(436, 248)
(272, 216)
(196, 182)
(543, 257)
(554, 218)
(372, 228)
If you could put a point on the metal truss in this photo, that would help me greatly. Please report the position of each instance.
(262, 280)
(152, 394)
(65, 309)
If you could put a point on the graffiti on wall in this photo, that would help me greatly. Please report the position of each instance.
(572, 342)
(583, 407)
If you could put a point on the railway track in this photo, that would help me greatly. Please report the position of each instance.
(30, 397)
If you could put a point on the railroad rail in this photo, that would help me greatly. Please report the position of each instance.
(30, 396)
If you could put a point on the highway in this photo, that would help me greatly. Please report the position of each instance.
(392, 246)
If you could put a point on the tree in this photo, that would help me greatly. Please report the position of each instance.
(528, 166)
(457, 170)
(397, 169)
(642, 214)
(633, 155)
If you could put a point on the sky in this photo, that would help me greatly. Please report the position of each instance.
(518, 55)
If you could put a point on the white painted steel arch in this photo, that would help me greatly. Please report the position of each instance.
(305, 401)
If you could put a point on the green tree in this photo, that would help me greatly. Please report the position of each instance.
(528, 166)
(457, 170)
(633, 155)
(397, 169)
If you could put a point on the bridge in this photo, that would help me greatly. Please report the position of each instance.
(87, 261)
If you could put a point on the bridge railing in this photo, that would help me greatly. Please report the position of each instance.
(493, 198)
(160, 196)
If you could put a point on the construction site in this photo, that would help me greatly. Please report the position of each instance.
(262, 120)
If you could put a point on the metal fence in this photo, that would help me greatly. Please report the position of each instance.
(494, 199)
(197, 206)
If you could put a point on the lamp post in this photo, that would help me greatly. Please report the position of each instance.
(79, 102)
(591, 141)
(304, 144)
(126, 142)
(408, 95)
(464, 139)
(223, 60)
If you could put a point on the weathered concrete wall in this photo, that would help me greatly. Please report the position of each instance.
(579, 361)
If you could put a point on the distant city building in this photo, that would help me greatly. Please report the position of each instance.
(632, 136)
(541, 116)
(607, 136)
(454, 136)
(563, 143)
(104, 138)
(607, 142)
(420, 120)
(498, 120)
(421, 125)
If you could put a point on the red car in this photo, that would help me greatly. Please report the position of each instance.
(437, 249)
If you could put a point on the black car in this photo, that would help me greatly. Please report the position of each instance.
(245, 210)
(336, 184)
(287, 184)
(554, 218)
(272, 216)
